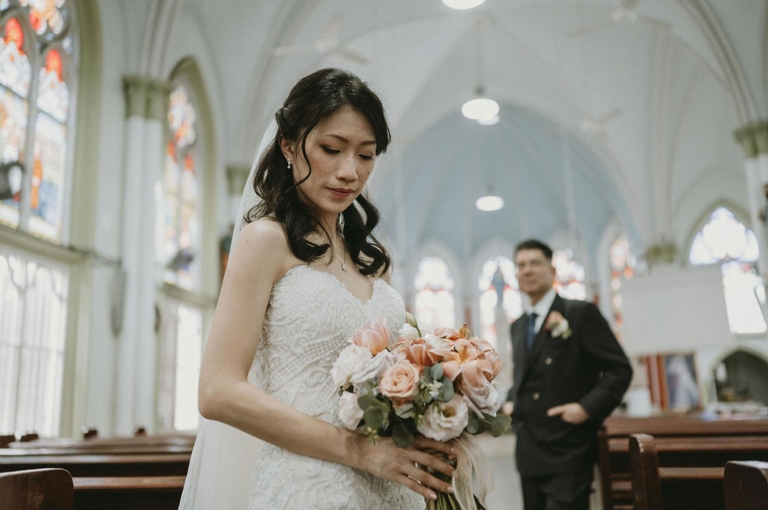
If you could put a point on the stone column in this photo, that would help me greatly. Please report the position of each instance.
(146, 106)
(754, 142)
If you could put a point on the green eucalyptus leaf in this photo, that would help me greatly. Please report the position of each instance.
(473, 425)
(375, 417)
(436, 371)
(401, 435)
(446, 390)
(366, 401)
(500, 424)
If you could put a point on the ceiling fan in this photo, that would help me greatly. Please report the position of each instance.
(328, 43)
(626, 13)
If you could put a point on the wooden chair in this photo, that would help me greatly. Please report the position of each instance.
(746, 485)
(646, 486)
(38, 489)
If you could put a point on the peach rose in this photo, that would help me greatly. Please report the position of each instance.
(400, 382)
(373, 335)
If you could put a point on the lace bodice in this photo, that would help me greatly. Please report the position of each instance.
(310, 317)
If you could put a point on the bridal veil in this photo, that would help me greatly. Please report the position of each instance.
(219, 469)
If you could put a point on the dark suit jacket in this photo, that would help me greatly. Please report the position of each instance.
(589, 367)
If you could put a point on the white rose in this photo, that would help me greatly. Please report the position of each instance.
(436, 342)
(373, 368)
(351, 360)
(562, 328)
(409, 332)
(483, 400)
(350, 413)
(445, 421)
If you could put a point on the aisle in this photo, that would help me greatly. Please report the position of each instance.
(501, 455)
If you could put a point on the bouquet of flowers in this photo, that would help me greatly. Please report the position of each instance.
(438, 384)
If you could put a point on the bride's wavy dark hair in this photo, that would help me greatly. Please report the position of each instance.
(313, 99)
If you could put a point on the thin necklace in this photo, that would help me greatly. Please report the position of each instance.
(343, 264)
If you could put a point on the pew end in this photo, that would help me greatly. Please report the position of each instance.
(37, 489)
(646, 486)
(746, 485)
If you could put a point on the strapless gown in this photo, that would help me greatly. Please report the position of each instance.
(310, 317)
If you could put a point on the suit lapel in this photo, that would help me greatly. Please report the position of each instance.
(543, 337)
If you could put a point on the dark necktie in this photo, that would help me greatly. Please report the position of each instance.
(531, 333)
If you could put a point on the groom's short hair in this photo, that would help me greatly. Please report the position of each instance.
(534, 244)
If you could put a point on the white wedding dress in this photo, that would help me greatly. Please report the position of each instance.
(310, 317)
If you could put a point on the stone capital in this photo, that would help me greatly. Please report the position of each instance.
(753, 139)
(146, 97)
(664, 253)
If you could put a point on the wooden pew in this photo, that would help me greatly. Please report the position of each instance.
(671, 488)
(128, 493)
(746, 485)
(39, 489)
(719, 437)
(180, 441)
(100, 464)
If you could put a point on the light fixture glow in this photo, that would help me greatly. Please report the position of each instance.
(489, 203)
(481, 108)
(462, 4)
(489, 122)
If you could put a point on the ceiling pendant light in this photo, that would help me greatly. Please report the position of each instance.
(489, 201)
(462, 4)
(480, 108)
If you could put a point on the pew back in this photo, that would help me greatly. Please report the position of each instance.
(746, 485)
(39, 489)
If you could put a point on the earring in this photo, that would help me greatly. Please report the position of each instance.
(289, 164)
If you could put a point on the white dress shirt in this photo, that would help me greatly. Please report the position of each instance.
(541, 309)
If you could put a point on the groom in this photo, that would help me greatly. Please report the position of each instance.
(570, 373)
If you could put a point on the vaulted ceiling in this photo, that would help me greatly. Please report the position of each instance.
(615, 117)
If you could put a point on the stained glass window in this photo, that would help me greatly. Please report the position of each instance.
(500, 301)
(435, 304)
(622, 263)
(179, 236)
(726, 241)
(179, 242)
(36, 53)
(569, 280)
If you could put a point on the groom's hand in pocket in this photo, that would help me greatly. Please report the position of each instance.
(569, 413)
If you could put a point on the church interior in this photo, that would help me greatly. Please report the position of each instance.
(629, 135)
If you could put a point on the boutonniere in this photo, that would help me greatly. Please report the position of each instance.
(558, 325)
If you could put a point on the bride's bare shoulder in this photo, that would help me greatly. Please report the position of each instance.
(264, 240)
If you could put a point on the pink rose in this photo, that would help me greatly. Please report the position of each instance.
(373, 335)
(400, 382)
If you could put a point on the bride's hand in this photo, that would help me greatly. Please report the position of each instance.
(402, 465)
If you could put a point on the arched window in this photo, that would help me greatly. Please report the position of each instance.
(36, 71)
(726, 241)
(622, 262)
(38, 62)
(180, 245)
(569, 281)
(435, 304)
(498, 289)
(179, 235)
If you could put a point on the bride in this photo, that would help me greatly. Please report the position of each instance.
(305, 272)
